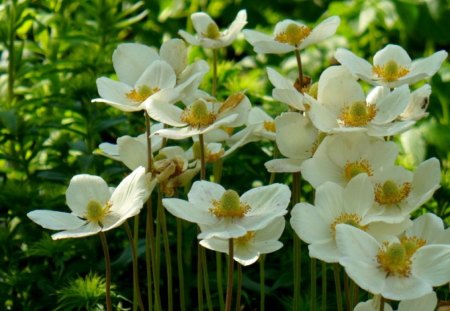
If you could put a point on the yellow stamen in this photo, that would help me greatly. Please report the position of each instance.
(358, 114)
(96, 211)
(348, 219)
(391, 193)
(141, 93)
(351, 169)
(269, 126)
(293, 34)
(229, 206)
(197, 115)
(245, 238)
(390, 71)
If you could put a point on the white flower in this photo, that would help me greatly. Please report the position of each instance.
(248, 247)
(427, 302)
(290, 35)
(285, 91)
(392, 66)
(316, 225)
(224, 214)
(142, 78)
(418, 104)
(296, 149)
(341, 106)
(430, 228)
(201, 116)
(94, 206)
(398, 192)
(132, 151)
(398, 269)
(208, 33)
(340, 157)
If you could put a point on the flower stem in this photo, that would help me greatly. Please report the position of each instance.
(382, 300)
(347, 292)
(239, 287)
(297, 243)
(199, 278)
(300, 69)
(149, 144)
(202, 157)
(136, 289)
(134, 239)
(230, 275)
(180, 263)
(206, 278)
(107, 270)
(313, 271)
(219, 280)
(167, 254)
(337, 283)
(324, 285)
(262, 286)
(214, 78)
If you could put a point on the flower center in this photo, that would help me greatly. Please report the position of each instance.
(269, 126)
(210, 156)
(395, 258)
(390, 71)
(212, 31)
(358, 114)
(141, 93)
(229, 206)
(352, 169)
(245, 238)
(96, 211)
(391, 193)
(348, 219)
(293, 34)
(198, 115)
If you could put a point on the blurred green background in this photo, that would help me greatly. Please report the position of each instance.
(53, 51)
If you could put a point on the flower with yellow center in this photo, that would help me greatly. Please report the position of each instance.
(201, 116)
(396, 269)
(94, 207)
(290, 35)
(427, 302)
(341, 106)
(248, 247)
(208, 33)
(399, 192)
(341, 157)
(392, 66)
(224, 214)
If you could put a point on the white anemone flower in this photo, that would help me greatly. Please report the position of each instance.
(397, 269)
(208, 33)
(250, 246)
(341, 106)
(132, 151)
(340, 157)
(94, 206)
(418, 104)
(224, 214)
(285, 90)
(430, 228)
(142, 78)
(295, 149)
(290, 35)
(201, 116)
(427, 302)
(392, 66)
(316, 225)
(399, 192)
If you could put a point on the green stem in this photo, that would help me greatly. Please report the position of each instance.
(199, 277)
(217, 170)
(136, 289)
(219, 280)
(107, 270)
(337, 283)
(239, 287)
(313, 271)
(167, 254)
(300, 70)
(382, 300)
(324, 285)
(347, 293)
(214, 78)
(149, 143)
(206, 279)
(230, 275)
(262, 286)
(297, 243)
(202, 157)
(157, 262)
(355, 293)
(180, 263)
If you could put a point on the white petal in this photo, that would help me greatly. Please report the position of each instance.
(358, 195)
(83, 189)
(329, 201)
(401, 288)
(391, 106)
(358, 66)
(318, 170)
(224, 229)
(131, 59)
(55, 220)
(189, 38)
(365, 275)
(309, 225)
(190, 212)
(392, 52)
(325, 251)
(203, 193)
(284, 165)
(201, 21)
(267, 199)
(110, 150)
(132, 152)
(86, 230)
(278, 80)
(428, 227)
(426, 177)
(165, 113)
(114, 92)
(267, 247)
(427, 302)
(272, 231)
(325, 29)
(324, 119)
(431, 262)
(357, 245)
(215, 244)
(272, 47)
(291, 97)
(245, 255)
(236, 26)
(174, 52)
(158, 75)
(429, 65)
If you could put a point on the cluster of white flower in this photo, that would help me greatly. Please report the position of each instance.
(334, 134)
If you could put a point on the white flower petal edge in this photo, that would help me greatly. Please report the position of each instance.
(55, 220)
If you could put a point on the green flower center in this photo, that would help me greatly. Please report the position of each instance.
(96, 211)
(212, 31)
(358, 114)
(351, 169)
(348, 219)
(390, 71)
(293, 34)
(141, 93)
(198, 115)
(391, 193)
(229, 205)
